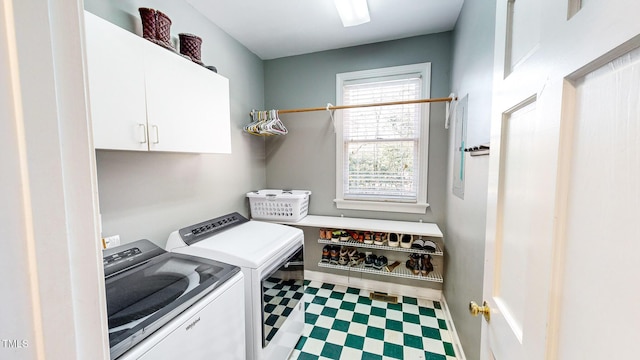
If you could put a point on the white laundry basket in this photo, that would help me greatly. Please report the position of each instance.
(285, 205)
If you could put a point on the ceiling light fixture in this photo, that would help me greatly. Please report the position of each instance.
(353, 12)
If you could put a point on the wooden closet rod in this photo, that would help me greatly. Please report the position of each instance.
(340, 107)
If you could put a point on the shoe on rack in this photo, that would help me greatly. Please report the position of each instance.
(414, 263)
(355, 235)
(370, 260)
(406, 240)
(352, 253)
(378, 239)
(335, 257)
(355, 258)
(344, 256)
(344, 236)
(394, 239)
(326, 254)
(335, 235)
(426, 266)
(380, 262)
(418, 244)
(368, 238)
(429, 246)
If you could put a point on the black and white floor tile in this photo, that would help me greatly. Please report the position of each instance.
(343, 323)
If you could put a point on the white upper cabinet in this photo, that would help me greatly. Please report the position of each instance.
(116, 86)
(146, 98)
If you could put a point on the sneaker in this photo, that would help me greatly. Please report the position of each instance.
(369, 260)
(335, 235)
(368, 238)
(380, 262)
(326, 254)
(378, 239)
(406, 240)
(394, 239)
(334, 255)
(344, 236)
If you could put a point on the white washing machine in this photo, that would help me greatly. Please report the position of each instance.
(166, 306)
(271, 259)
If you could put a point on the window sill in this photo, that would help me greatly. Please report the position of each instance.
(411, 208)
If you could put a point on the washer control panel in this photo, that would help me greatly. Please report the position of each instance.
(194, 233)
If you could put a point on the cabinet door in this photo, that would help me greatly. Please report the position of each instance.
(187, 104)
(116, 86)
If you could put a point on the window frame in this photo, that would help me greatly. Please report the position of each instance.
(418, 207)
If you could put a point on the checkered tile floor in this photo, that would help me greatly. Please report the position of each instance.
(343, 323)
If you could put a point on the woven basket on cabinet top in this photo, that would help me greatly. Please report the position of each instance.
(149, 21)
(156, 27)
(190, 45)
(163, 28)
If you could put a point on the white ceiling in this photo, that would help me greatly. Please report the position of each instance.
(277, 28)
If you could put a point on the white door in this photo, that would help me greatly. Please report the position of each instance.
(563, 216)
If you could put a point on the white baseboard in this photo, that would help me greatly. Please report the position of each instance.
(454, 334)
(374, 285)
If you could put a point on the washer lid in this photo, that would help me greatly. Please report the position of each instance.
(151, 291)
(250, 244)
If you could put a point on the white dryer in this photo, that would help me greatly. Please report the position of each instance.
(271, 259)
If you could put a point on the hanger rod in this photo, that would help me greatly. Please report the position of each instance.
(340, 107)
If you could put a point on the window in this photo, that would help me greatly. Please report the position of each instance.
(381, 151)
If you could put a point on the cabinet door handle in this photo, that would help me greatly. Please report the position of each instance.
(144, 133)
(155, 128)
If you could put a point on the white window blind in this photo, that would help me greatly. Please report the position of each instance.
(382, 144)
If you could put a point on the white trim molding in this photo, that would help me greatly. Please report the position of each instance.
(374, 285)
(58, 309)
(419, 207)
(412, 208)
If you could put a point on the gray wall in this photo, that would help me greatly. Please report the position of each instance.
(305, 158)
(147, 195)
(472, 71)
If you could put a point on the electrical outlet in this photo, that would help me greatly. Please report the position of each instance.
(110, 241)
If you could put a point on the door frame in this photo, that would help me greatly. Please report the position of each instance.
(54, 162)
